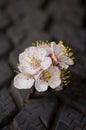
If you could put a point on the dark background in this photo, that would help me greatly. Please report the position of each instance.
(21, 23)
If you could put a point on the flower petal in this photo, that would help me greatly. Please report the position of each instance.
(54, 70)
(41, 53)
(27, 68)
(60, 49)
(31, 51)
(24, 55)
(69, 61)
(41, 85)
(54, 82)
(66, 61)
(46, 63)
(63, 65)
(54, 50)
(60, 87)
(21, 56)
(23, 82)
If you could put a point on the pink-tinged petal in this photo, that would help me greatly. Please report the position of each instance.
(54, 52)
(55, 49)
(41, 85)
(23, 82)
(45, 64)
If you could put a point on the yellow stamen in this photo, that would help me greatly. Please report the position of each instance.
(46, 75)
(60, 42)
(70, 53)
(33, 44)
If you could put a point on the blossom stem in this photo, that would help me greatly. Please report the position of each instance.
(29, 95)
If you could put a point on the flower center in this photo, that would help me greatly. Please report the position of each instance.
(45, 75)
(35, 62)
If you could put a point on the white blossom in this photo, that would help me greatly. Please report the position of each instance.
(41, 66)
(50, 77)
(34, 59)
(60, 55)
